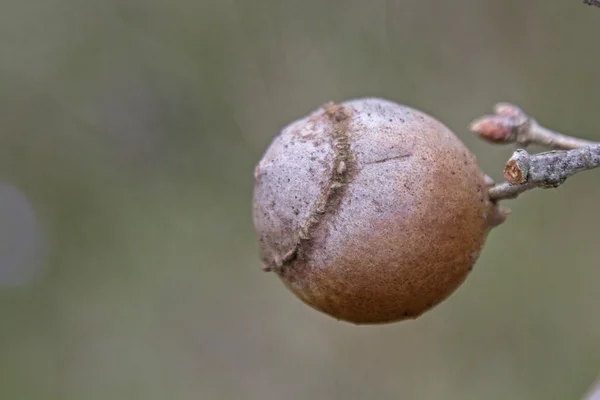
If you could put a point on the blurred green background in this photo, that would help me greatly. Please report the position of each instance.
(133, 128)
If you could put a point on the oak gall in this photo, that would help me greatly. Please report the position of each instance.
(370, 211)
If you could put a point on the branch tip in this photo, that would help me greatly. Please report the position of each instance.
(493, 128)
(516, 170)
(510, 110)
(523, 171)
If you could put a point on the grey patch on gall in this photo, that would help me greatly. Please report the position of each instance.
(311, 180)
(287, 176)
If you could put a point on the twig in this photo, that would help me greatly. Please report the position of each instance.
(525, 171)
(509, 124)
(592, 3)
(593, 393)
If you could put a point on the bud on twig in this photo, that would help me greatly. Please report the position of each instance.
(523, 171)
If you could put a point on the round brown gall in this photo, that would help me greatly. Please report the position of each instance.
(370, 211)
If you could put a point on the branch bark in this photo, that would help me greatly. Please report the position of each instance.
(524, 171)
(593, 393)
(510, 124)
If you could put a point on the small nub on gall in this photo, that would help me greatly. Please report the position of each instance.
(370, 211)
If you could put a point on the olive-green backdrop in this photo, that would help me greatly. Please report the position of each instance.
(133, 128)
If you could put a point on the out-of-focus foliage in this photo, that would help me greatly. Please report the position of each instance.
(133, 128)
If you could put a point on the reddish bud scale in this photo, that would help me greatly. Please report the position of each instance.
(494, 128)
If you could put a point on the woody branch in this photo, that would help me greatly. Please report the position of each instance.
(524, 171)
